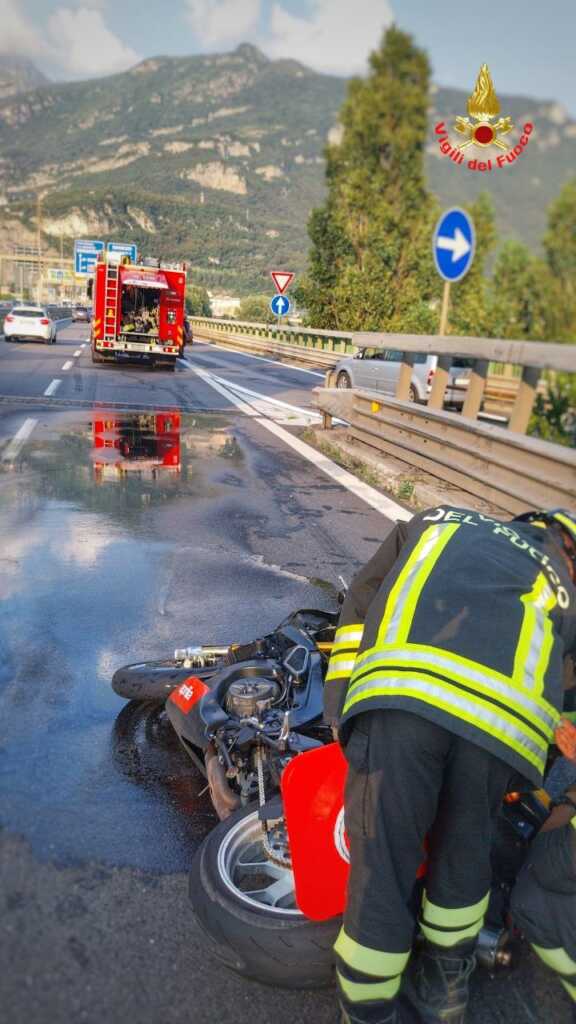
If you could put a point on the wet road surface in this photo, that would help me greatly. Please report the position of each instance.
(125, 535)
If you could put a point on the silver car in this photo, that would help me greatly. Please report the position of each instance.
(379, 370)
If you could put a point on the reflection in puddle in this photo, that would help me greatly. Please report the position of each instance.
(144, 443)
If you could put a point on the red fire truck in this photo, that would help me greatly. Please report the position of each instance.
(138, 310)
(142, 444)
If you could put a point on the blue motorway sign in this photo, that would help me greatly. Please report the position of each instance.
(280, 305)
(85, 256)
(125, 248)
(453, 244)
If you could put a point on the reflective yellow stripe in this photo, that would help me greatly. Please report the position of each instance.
(496, 722)
(341, 666)
(400, 606)
(346, 642)
(567, 523)
(451, 938)
(573, 821)
(368, 960)
(422, 658)
(356, 992)
(570, 988)
(351, 635)
(536, 636)
(435, 914)
(557, 959)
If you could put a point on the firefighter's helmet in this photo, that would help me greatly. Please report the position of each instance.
(560, 519)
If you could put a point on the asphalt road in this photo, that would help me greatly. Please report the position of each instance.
(111, 554)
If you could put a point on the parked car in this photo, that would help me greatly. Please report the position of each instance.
(81, 314)
(29, 323)
(379, 370)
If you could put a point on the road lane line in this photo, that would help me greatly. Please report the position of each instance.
(241, 390)
(68, 364)
(262, 359)
(368, 494)
(19, 440)
(243, 406)
(283, 412)
(52, 387)
(78, 352)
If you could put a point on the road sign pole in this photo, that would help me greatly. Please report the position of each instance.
(442, 371)
(445, 308)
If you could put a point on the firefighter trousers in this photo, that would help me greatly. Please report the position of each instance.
(411, 782)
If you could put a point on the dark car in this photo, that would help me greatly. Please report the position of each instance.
(188, 336)
(81, 314)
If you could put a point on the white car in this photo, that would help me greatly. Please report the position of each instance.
(29, 323)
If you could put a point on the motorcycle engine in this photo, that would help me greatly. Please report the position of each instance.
(248, 698)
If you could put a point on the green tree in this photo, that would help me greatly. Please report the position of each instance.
(257, 309)
(198, 301)
(560, 249)
(520, 293)
(370, 266)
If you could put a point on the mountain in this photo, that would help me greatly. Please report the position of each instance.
(218, 159)
(18, 74)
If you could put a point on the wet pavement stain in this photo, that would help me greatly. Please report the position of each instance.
(123, 538)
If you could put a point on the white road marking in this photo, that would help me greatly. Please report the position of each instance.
(68, 364)
(275, 408)
(18, 440)
(282, 412)
(78, 352)
(247, 409)
(84, 345)
(263, 359)
(370, 495)
(53, 387)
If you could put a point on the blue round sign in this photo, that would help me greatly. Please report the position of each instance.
(280, 305)
(453, 244)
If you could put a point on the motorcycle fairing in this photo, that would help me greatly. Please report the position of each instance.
(313, 797)
(188, 693)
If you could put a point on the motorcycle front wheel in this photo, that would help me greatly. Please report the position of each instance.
(154, 680)
(246, 907)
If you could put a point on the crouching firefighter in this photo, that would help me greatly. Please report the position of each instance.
(544, 898)
(446, 679)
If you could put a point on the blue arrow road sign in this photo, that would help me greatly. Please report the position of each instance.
(453, 244)
(85, 255)
(280, 305)
(125, 248)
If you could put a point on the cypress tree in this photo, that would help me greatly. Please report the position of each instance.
(370, 264)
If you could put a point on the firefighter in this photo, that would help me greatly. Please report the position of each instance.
(544, 898)
(444, 682)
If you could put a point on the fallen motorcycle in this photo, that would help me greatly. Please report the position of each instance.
(268, 883)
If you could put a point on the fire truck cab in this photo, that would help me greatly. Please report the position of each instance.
(138, 310)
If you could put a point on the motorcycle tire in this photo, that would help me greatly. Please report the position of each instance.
(268, 944)
(153, 680)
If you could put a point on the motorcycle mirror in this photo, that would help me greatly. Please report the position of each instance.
(296, 661)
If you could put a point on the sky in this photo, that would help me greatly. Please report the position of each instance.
(527, 44)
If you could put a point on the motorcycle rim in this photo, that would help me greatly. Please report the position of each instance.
(250, 875)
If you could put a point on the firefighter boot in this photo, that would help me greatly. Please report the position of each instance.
(436, 982)
(390, 1016)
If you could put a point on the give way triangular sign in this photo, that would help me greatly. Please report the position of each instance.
(282, 279)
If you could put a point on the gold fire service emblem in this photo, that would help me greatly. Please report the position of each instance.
(483, 106)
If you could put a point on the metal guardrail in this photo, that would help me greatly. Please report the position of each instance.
(509, 470)
(325, 348)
